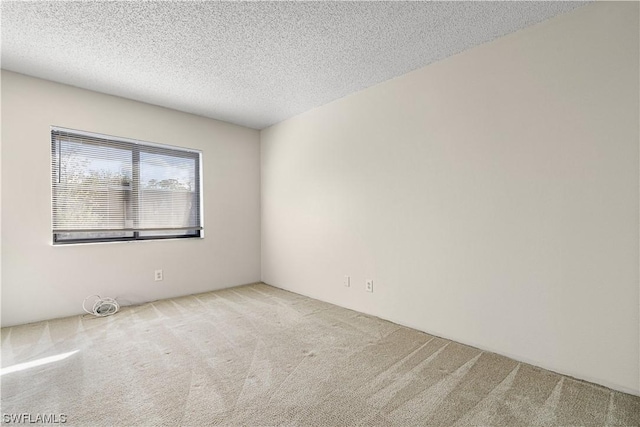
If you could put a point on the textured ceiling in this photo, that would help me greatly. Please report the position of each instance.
(255, 63)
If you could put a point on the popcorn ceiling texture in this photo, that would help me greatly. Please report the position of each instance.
(253, 64)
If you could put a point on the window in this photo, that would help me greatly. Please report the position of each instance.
(110, 189)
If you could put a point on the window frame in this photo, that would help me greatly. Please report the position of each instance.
(136, 147)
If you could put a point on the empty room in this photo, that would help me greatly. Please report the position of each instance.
(320, 213)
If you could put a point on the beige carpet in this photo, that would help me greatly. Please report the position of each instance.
(256, 355)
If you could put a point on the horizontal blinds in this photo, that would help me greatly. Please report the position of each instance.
(102, 184)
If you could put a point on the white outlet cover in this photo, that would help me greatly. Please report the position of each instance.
(369, 286)
(346, 281)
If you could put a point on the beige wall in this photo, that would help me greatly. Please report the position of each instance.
(492, 197)
(40, 281)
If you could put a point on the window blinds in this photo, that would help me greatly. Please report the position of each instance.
(106, 188)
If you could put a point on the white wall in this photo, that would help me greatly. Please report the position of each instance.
(492, 197)
(40, 281)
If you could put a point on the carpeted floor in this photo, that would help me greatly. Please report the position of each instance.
(256, 355)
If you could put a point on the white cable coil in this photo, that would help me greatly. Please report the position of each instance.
(102, 306)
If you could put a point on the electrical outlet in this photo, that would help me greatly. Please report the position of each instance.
(369, 286)
(346, 281)
(159, 276)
